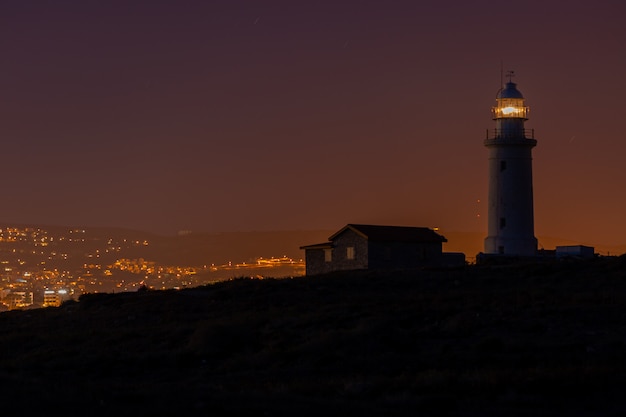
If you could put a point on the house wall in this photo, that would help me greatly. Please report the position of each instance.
(392, 255)
(316, 263)
(349, 239)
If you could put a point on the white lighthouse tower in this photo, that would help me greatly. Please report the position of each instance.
(510, 214)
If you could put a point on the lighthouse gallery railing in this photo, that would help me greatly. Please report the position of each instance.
(510, 134)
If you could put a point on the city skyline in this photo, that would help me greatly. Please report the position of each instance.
(241, 115)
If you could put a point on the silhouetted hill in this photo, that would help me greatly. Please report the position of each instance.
(536, 340)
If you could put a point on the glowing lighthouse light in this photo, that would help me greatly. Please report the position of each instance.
(510, 108)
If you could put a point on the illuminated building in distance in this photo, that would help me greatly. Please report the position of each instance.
(510, 212)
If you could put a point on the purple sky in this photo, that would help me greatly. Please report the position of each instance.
(271, 115)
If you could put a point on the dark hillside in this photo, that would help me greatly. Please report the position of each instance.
(543, 339)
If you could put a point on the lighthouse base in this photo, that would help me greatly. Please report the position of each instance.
(497, 245)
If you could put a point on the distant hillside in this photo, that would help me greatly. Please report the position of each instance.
(193, 249)
(201, 248)
(197, 249)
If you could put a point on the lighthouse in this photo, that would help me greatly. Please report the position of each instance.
(510, 212)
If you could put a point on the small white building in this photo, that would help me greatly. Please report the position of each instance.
(575, 251)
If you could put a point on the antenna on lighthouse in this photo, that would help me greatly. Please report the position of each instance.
(510, 74)
(501, 77)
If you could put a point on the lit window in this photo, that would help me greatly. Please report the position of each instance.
(350, 252)
(328, 255)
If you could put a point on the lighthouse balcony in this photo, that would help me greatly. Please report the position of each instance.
(510, 134)
(519, 137)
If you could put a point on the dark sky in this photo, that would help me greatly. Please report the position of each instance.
(270, 115)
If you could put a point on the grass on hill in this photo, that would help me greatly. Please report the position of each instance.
(537, 339)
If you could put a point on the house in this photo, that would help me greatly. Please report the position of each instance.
(360, 246)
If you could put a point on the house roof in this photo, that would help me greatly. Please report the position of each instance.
(393, 233)
(325, 245)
